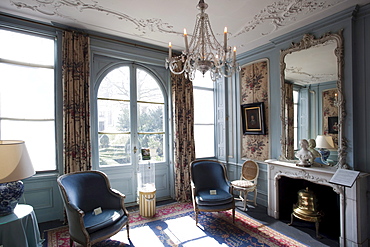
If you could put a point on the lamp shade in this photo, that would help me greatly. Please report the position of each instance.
(15, 163)
(323, 141)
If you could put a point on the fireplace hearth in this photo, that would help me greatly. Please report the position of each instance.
(342, 211)
(328, 204)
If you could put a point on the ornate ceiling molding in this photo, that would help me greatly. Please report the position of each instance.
(304, 78)
(282, 13)
(55, 8)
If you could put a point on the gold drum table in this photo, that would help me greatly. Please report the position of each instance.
(147, 203)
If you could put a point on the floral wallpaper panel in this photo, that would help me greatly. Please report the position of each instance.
(254, 88)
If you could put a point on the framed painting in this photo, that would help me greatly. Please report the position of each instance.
(333, 125)
(253, 119)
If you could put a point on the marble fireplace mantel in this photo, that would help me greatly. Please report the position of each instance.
(352, 200)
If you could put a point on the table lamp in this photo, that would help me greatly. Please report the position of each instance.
(15, 164)
(323, 143)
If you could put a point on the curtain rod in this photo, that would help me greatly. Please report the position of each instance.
(67, 28)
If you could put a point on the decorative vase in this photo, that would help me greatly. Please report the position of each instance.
(325, 153)
(10, 193)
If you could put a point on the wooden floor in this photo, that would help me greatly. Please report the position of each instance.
(301, 231)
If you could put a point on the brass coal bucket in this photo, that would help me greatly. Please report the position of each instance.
(306, 208)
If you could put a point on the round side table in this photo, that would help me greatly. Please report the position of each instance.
(20, 229)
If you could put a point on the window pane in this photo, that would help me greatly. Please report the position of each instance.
(296, 146)
(26, 48)
(295, 97)
(114, 116)
(27, 95)
(204, 119)
(147, 88)
(203, 107)
(204, 136)
(116, 84)
(295, 120)
(40, 142)
(150, 117)
(155, 143)
(203, 80)
(114, 149)
(24, 80)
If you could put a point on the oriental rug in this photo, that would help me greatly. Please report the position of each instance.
(174, 225)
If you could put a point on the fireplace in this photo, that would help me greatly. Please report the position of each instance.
(328, 204)
(284, 181)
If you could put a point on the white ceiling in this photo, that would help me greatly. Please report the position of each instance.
(250, 23)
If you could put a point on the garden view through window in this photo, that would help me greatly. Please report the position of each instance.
(130, 117)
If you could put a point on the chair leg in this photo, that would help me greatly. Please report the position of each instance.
(128, 231)
(70, 242)
(245, 199)
(255, 197)
(196, 217)
(234, 216)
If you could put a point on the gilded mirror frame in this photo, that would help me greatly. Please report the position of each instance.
(308, 41)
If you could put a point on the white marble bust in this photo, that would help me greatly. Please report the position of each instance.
(311, 147)
(304, 155)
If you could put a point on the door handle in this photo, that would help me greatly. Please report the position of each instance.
(135, 149)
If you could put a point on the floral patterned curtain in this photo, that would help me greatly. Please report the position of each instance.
(76, 100)
(289, 118)
(182, 95)
(330, 114)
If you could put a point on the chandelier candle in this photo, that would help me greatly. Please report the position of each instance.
(186, 41)
(169, 49)
(225, 39)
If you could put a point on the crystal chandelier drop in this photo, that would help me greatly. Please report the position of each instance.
(204, 52)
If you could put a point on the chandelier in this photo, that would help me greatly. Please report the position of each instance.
(204, 52)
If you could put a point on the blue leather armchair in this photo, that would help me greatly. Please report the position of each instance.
(84, 192)
(211, 190)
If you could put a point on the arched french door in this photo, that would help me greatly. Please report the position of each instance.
(130, 114)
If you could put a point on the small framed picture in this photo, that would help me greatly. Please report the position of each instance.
(333, 125)
(253, 119)
(145, 152)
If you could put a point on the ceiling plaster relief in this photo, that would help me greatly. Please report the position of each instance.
(55, 8)
(308, 78)
(271, 18)
(282, 13)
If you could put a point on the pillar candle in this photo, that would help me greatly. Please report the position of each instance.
(186, 41)
(225, 38)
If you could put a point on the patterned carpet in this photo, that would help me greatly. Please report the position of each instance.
(174, 225)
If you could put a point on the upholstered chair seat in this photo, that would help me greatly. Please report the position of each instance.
(204, 198)
(106, 219)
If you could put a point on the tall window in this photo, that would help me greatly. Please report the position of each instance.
(295, 123)
(27, 94)
(130, 116)
(204, 118)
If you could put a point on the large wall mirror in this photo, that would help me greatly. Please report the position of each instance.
(312, 102)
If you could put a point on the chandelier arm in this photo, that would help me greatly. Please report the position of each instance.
(204, 52)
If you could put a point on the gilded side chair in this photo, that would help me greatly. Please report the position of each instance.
(247, 182)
